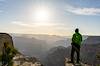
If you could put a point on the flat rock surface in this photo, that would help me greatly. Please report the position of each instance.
(70, 64)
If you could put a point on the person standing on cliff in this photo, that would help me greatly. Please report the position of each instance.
(76, 43)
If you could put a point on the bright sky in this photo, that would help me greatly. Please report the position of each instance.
(55, 17)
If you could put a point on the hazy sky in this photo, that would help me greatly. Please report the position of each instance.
(58, 17)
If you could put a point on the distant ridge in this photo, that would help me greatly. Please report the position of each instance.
(92, 40)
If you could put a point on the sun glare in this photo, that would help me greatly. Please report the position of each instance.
(41, 15)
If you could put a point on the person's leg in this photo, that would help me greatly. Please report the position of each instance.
(78, 54)
(72, 54)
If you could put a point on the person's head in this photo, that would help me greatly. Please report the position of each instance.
(76, 30)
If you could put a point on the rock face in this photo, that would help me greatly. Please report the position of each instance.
(26, 61)
(90, 50)
(89, 54)
(56, 56)
(5, 38)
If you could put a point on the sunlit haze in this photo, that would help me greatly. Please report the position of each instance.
(54, 17)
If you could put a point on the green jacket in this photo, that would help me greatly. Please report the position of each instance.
(77, 38)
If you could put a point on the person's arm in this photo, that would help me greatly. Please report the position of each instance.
(81, 38)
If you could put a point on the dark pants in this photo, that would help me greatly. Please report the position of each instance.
(75, 48)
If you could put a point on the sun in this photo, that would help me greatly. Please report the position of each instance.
(41, 15)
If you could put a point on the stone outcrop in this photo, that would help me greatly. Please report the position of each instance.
(21, 60)
(70, 64)
(5, 38)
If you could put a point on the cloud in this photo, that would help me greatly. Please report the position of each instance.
(83, 11)
(32, 24)
(37, 25)
(22, 24)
